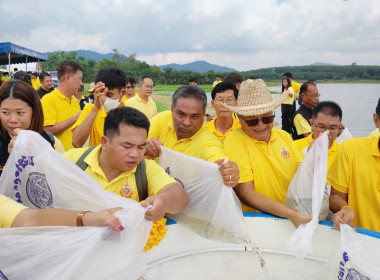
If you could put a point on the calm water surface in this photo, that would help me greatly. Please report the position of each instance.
(358, 102)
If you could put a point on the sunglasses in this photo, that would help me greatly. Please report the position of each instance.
(254, 122)
(129, 87)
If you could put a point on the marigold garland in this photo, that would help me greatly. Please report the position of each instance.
(157, 233)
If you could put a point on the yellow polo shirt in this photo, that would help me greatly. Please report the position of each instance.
(376, 132)
(57, 108)
(301, 124)
(304, 143)
(296, 87)
(356, 171)
(270, 166)
(211, 126)
(125, 98)
(203, 144)
(149, 109)
(97, 129)
(289, 99)
(36, 83)
(156, 176)
(9, 209)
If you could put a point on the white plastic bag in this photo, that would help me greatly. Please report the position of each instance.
(39, 177)
(346, 134)
(359, 260)
(306, 193)
(214, 210)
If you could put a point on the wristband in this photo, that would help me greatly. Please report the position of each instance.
(344, 207)
(80, 218)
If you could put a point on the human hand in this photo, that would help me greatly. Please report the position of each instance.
(153, 148)
(209, 117)
(157, 210)
(345, 216)
(100, 93)
(290, 94)
(229, 172)
(103, 218)
(13, 140)
(298, 218)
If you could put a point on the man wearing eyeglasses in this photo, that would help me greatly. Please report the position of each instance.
(143, 100)
(182, 130)
(224, 122)
(302, 117)
(327, 115)
(267, 158)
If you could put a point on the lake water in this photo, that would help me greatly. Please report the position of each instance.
(358, 103)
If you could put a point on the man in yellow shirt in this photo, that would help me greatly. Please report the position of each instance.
(224, 122)
(35, 81)
(302, 117)
(376, 121)
(327, 115)
(267, 158)
(129, 89)
(108, 93)
(61, 110)
(354, 177)
(218, 79)
(143, 100)
(14, 214)
(114, 163)
(182, 130)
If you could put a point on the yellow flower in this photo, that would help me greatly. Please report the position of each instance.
(157, 233)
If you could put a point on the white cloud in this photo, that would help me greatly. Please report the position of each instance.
(240, 34)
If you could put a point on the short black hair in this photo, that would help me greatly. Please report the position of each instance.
(131, 80)
(329, 108)
(68, 67)
(305, 86)
(124, 115)
(23, 76)
(222, 87)
(190, 92)
(378, 108)
(288, 74)
(143, 77)
(193, 79)
(234, 78)
(112, 77)
(43, 75)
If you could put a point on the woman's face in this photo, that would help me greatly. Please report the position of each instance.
(15, 113)
(285, 83)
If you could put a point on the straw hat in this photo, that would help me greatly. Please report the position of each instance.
(255, 99)
(92, 87)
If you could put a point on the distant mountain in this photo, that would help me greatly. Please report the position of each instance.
(89, 54)
(198, 66)
(321, 64)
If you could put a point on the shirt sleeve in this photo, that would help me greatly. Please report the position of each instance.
(338, 174)
(9, 209)
(302, 125)
(157, 177)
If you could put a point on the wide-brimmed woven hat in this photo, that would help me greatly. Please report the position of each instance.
(92, 87)
(255, 99)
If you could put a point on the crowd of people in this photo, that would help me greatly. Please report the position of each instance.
(116, 134)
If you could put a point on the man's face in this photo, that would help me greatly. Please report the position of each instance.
(323, 122)
(47, 83)
(227, 97)
(146, 88)
(79, 94)
(218, 78)
(193, 83)
(130, 90)
(311, 96)
(262, 130)
(188, 115)
(75, 81)
(125, 151)
(33, 77)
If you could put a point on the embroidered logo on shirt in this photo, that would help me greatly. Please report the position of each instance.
(126, 190)
(285, 153)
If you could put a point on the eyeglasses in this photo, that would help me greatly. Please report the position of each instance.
(333, 128)
(228, 101)
(129, 87)
(313, 95)
(254, 122)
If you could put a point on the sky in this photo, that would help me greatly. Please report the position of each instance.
(241, 34)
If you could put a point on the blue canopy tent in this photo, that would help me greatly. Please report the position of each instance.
(14, 54)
